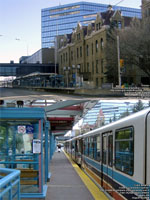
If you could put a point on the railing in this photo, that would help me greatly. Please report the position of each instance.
(9, 184)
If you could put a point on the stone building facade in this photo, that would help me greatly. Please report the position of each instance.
(146, 9)
(82, 56)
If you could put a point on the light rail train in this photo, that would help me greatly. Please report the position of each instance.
(117, 156)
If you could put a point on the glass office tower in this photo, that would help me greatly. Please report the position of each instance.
(62, 19)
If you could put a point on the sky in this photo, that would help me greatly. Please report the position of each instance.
(20, 24)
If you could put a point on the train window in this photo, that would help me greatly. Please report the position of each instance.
(86, 149)
(95, 148)
(98, 148)
(124, 150)
(104, 149)
(73, 146)
(110, 150)
(91, 145)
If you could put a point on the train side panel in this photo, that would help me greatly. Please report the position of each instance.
(117, 156)
(148, 150)
(139, 150)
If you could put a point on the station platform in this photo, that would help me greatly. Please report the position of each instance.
(69, 182)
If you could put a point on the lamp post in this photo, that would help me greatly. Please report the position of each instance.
(78, 68)
(55, 42)
(67, 69)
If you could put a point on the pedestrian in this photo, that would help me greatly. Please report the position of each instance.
(59, 148)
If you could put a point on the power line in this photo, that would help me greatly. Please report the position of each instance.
(119, 2)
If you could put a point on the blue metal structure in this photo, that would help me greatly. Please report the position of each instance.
(9, 184)
(62, 19)
(24, 145)
(21, 69)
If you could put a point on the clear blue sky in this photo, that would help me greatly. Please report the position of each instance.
(22, 19)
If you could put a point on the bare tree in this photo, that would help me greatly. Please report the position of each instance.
(135, 45)
(134, 48)
(111, 57)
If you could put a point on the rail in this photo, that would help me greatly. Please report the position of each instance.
(9, 184)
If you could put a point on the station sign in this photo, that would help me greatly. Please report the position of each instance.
(21, 129)
(36, 146)
(25, 129)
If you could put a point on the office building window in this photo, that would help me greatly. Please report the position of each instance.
(61, 59)
(96, 82)
(93, 67)
(96, 45)
(80, 51)
(72, 55)
(102, 43)
(92, 48)
(87, 50)
(102, 65)
(96, 66)
(77, 53)
(88, 67)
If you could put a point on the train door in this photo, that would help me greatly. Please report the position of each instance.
(80, 151)
(107, 162)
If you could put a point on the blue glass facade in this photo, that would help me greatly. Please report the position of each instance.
(110, 109)
(62, 19)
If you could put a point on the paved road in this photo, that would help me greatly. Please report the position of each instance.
(24, 94)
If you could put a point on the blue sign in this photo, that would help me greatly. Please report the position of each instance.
(29, 129)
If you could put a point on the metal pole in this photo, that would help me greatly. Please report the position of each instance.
(76, 76)
(118, 52)
(55, 57)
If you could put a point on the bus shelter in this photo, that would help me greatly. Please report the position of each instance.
(25, 145)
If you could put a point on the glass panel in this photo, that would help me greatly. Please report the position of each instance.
(16, 151)
(110, 150)
(104, 149)
(124, 151)
(98, 148)
(91, 147)
(95, 147)
(73, 148)
(86, 149)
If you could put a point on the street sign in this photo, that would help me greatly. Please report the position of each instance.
(21, 129)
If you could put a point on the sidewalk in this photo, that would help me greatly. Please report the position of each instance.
(65, 184)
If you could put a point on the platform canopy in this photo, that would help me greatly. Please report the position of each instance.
(63, 114)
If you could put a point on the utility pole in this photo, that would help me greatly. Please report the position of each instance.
(118, 52)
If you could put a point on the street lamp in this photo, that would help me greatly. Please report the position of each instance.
(67, 69)
(76, 73)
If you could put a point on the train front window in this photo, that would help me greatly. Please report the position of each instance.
(124, 150)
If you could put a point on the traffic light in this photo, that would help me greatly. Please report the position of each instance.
(121, 63)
